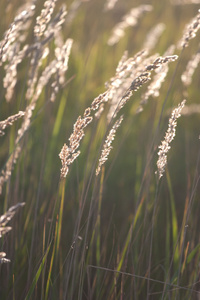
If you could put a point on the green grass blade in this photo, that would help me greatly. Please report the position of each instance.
(174, 220)
(192, 253)
(35, 280)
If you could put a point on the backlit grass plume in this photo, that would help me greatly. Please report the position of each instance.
(39, 75)
(9, 121)
(69, 153)
(191, 66)
(130, 19)
(169, 136)
(190, 31)
(107, 145)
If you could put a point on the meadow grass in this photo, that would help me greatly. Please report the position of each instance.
(99, 128)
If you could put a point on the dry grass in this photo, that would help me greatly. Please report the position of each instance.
(125, 233)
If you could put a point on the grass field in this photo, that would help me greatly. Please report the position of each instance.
(100, 149)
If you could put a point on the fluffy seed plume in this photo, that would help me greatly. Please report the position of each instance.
(155, 85)
(14, 33)
(153, 36)
(61, 66)
(54, 25)
(107, 145)
(125, 73)
(190, 32)
(4, 219)
(99, 100)
(6, 172)
(3, 259)
(10, 48)
(109, 4)
(144, 77)
(41, 50)
(169, 136)
(130, 19)
(193, 63)
(10, 78)
(43, 20)
(58, 66)
(69, 153)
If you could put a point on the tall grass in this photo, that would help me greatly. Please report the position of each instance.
(111, 208)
